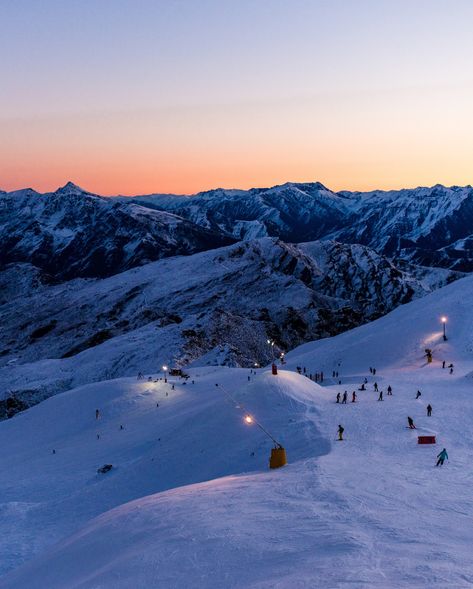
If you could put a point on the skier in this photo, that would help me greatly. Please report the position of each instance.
(451, 370)
(375, 387)
(390, 391)
(366, 380)
(353, 397)
(442, 456)
(410, 421)
(443, 364)
(374, 371)
(340, 433)
(97, 414)
(429, 410)
(345, 397)
(362, 388)
(321, 377)
(248, 378)
(380, 398)
(371, 370)
(338, 398)
(418, 394)
(333, 373)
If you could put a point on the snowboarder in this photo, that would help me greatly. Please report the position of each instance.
(429, 410)
(418, 394)
(338, 398)
(375, 387)
(345, 397)
(380, 398)
(442, 456)
(353, 397)
(410, 421)
(390, 391)
(443, 364)
(97, 414)
(340, 433)
(362, 388)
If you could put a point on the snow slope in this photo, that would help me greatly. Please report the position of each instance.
(372, 511)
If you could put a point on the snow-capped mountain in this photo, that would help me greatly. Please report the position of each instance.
(216, 307)
(292, 212)
(431, 226)
(71, 233)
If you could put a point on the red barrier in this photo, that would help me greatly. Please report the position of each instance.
(274, 369)
(426, 440)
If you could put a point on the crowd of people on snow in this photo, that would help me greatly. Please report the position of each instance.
(342, 400)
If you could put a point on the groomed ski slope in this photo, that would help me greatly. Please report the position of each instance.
(371, 511)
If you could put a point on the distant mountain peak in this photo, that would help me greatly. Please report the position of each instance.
(71, 188)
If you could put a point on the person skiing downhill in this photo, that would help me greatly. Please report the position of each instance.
(410, 421)
(418, 394)
(442, 456)
(380, 398)
(353, 397)
(338, 398)
(429, 410)
(340, 433)
(375, 387)
(345, 397)
(390, 391)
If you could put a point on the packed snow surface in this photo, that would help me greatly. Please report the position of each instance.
(190, 502)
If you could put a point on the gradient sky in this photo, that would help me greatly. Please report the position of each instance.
(138, 96)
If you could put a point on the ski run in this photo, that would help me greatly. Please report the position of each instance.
(190, 502)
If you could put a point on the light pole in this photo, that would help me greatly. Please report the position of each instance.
(444, 322)
(271, 344)
(165, 370)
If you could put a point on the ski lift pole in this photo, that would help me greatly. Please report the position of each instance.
(278, 453)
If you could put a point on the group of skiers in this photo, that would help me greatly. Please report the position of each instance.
(442, 456)
(343, 400)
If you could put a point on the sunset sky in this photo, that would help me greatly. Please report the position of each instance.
(140, 96)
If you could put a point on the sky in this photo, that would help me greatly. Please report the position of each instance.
(142, 96)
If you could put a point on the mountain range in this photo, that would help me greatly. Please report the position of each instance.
(208, 279)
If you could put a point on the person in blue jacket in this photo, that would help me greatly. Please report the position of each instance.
(442, 457)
